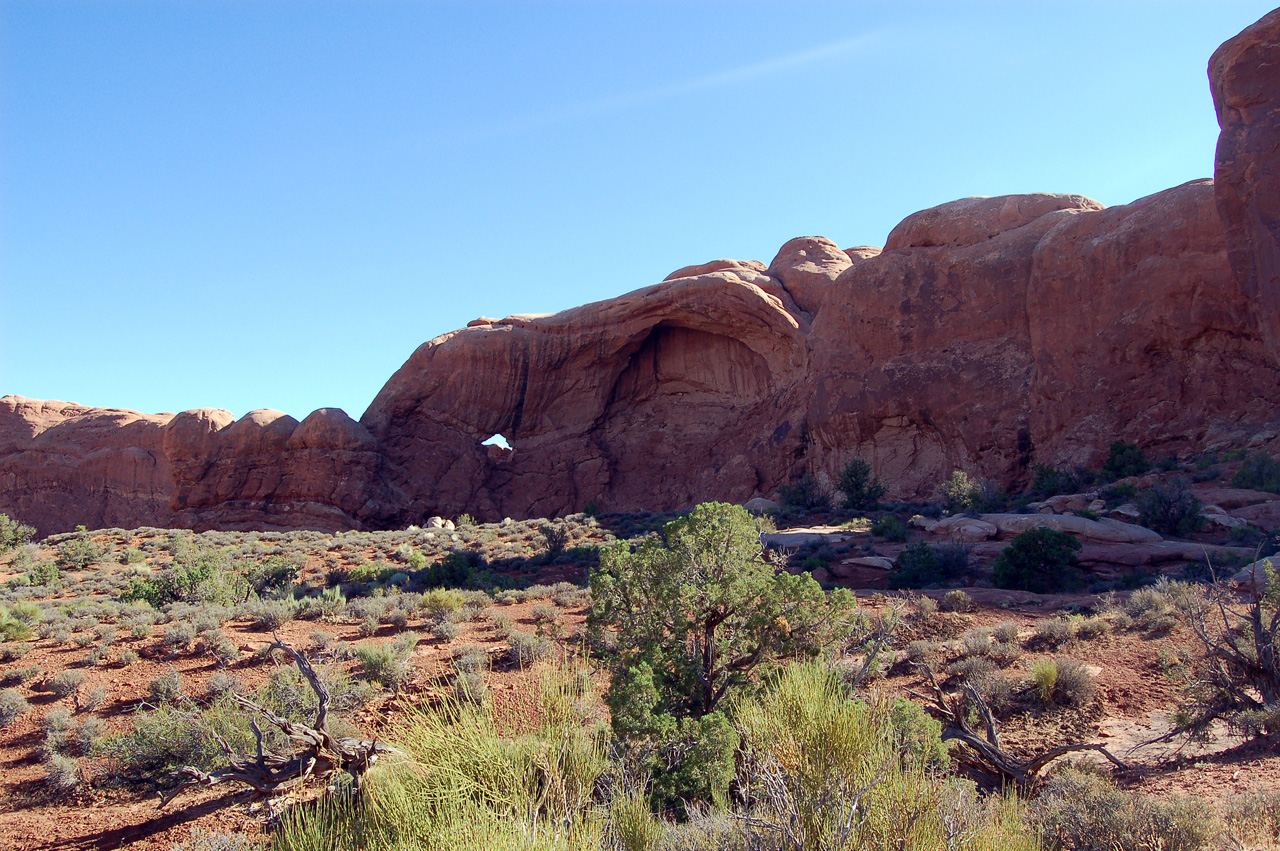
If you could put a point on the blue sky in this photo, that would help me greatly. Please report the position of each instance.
(261, 204)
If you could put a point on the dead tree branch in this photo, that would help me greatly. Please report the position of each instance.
(982, 757)
(321, 754)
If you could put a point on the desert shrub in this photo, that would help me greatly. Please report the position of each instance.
(1258, 472)
(544, 613)
(196, 575)
(44, 573)
(18, 676)
(1064, 682)
(956, 601)
(1055, 632)
(971, 667)
(1124, 460)
(926, 607)
(13, 534)
(270, 615)
(445, 630)
(381, 664)
(61, 774)
(976, 642)
(221, 683)
(1039, 560)
(916, 567)
(442, 602)
(1080, 810)
(807, 493)
(128, 657)
(961, 491)
(12, 652)
(862, 492)
(470, 686)
(78, 553)
(524, 648)
(1050, 481)
(1170, 509)
(272, 575)
(890, 528)
(12, 707)
(179, 636)
(166, 689)
(66, 683)
(1006, 633)
(88, 701)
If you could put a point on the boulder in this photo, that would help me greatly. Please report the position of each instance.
(1104, 530)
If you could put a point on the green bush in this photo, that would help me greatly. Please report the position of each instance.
(1125, 460)
(78, 553)
(13, 534)
(1050, 481)
(383, 665)
(806, 493)
(1258, 472)
(196, 575)
(1170, 509)
(1039, 560)
(862, 492)
(890, 528)
(961, 492)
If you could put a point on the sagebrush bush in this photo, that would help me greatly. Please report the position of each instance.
(66, 683)
(61, 774)
(383, 665)
(1080, 810)
(12, 707)
(1063, 682)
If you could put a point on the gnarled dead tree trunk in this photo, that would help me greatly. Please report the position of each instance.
(982, 757)
(321, 754)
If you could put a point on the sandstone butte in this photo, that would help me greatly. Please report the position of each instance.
(989, 334)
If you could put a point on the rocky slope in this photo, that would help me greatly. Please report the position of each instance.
(987, 335)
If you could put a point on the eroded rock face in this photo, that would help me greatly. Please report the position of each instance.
(988, 335)
(1244, 76)
(63, 464)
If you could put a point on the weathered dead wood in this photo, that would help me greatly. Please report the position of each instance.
(982, 757)
(266, 773)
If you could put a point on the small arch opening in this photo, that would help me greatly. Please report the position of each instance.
(498, 441)
(498, 448)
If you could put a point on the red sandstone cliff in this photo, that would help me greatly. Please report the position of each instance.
(989, 334)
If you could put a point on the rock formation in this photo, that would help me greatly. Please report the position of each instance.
(989, 334)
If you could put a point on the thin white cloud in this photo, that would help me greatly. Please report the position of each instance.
(720, 79)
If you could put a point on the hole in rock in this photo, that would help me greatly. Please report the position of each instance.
(497, 440)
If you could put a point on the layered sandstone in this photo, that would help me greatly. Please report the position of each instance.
(989, 334)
